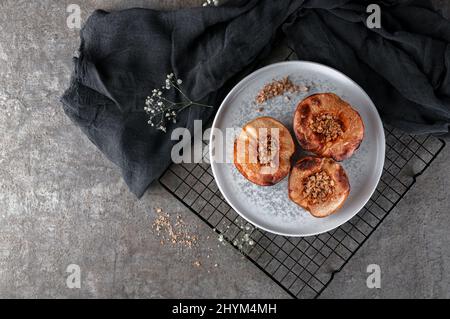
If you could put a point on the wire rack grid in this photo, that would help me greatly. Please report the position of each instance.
(304, 267)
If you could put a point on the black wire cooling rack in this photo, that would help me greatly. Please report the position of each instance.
(304, 267)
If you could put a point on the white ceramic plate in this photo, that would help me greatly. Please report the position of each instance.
(269, 208)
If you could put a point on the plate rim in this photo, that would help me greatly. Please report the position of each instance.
(235, 88)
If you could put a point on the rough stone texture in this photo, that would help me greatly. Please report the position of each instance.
(62, 202)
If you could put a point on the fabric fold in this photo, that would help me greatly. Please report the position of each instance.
(403, 66)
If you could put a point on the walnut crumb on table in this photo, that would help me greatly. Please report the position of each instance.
(173, 232)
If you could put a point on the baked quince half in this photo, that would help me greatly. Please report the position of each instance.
(263, 151)
(319, 185)
(327, 126)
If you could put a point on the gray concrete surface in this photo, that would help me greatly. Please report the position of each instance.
(62, 202)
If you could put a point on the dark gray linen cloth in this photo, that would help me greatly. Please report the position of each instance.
(403, 66)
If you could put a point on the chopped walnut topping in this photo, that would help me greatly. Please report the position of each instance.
(267, 150)
(318, 187)
(277, 88)
(328, 126)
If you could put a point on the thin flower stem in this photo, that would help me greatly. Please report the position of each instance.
(175, 85)
(169, 101)
(204, 105)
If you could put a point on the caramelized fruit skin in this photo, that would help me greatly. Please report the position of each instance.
(254, 170)
(350, 121)
(311, 165)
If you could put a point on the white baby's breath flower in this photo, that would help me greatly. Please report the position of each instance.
(211, 3)
(161, 110)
